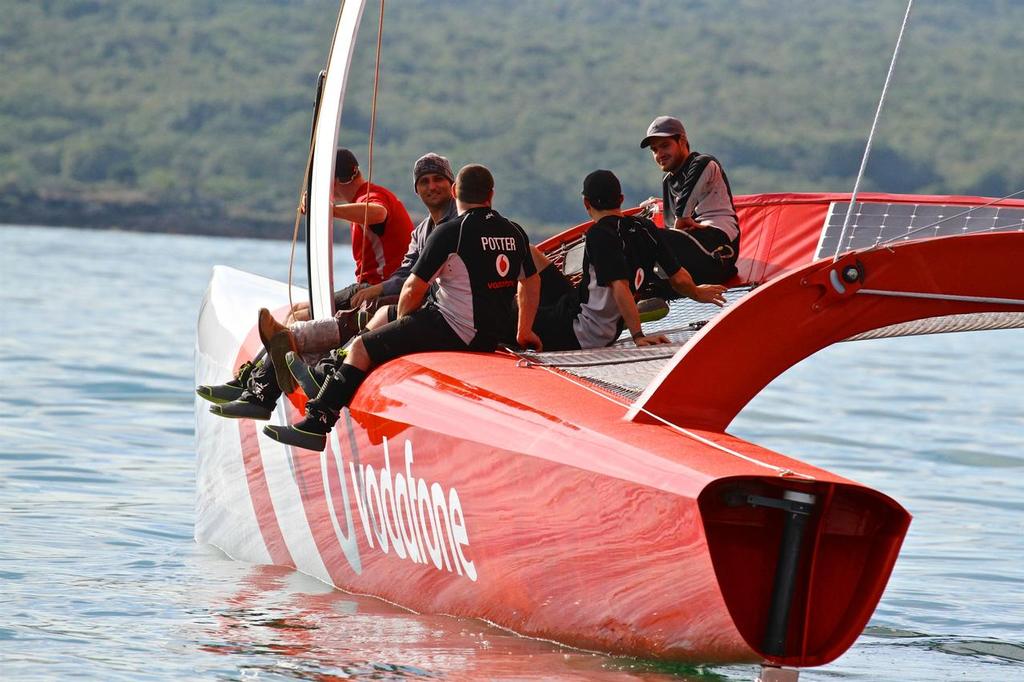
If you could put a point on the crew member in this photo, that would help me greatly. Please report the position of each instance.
(379, 245)
(697, 201)
(481, 263)
(619, 254)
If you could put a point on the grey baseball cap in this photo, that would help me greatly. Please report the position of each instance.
(663, 126)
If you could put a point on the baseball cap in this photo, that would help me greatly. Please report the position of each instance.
(345, 165)
(663, 126)
(603, 190)
(432, 163)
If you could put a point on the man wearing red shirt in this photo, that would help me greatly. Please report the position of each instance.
(381, 227)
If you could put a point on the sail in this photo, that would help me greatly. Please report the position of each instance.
(319, 241)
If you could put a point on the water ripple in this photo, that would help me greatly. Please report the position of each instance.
(100, 578)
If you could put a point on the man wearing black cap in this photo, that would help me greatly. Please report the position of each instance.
(481, 262)
(619, 254)
(378, 250)
(697, 201)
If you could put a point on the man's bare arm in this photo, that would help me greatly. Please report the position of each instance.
(683, 283)
(528, 297)
(364, 213)
(631, 316)
(413, 292)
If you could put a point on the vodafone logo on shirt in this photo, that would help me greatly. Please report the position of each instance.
(639, 279)
(502, 265)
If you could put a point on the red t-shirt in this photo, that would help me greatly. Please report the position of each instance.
(379, 249)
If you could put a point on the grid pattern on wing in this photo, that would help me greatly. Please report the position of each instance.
(625, 369)
(873, 223)
(686, 317)
(949, 323)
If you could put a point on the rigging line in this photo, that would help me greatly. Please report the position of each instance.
(302, 205)
(781, 471)
(943, 297)
(952, 217)
(871, 134)
(373, 125)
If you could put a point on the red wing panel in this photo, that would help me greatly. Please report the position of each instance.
(721, 369)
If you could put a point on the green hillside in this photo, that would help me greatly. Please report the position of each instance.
(194, 115)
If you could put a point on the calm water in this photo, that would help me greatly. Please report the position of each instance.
(100, 577)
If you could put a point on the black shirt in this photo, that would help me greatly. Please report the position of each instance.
(477, 259)
(615, 248)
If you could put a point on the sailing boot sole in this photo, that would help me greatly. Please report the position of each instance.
(277, 348)
(218, 395)
(289, 435)
(239, 409)
(652, 309)
(277, 340)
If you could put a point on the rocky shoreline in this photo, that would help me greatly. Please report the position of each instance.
(138, 214)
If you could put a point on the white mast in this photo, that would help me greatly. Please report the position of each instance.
(325, 139)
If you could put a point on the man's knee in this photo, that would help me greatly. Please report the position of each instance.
(358, 356)
(379, 319)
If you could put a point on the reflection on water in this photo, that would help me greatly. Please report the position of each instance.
(100, 578)
(284, 623)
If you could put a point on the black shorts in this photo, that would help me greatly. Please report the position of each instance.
(418, 332)
(559, 306)
(707, 254)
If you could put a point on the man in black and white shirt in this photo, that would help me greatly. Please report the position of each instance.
(619, 255)
(482, 265)
(704, 231)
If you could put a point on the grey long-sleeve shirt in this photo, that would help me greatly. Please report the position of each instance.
(393, 285)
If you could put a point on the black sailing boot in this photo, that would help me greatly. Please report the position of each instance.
(257, 400)
(311, 378)
(232, 390)
(321, 412)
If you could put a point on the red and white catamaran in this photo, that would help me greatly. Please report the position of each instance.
(594, 497)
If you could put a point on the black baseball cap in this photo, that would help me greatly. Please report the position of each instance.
(345, 165)
(663, 126)
(603, 190)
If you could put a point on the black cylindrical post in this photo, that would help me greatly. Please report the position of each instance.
(785, 571)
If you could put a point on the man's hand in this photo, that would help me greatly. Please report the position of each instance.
(652, 203)
(366, 294)
(710, 293)
(302, 203)
(651, 340)
(529, 339)
(687, 224)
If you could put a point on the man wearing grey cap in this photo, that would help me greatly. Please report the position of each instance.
(697, 202)
(432, 181)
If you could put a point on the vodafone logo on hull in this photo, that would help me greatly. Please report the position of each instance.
(398, 512)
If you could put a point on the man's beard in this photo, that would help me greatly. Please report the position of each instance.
(436, 204)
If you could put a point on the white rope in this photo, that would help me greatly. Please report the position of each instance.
(781, 471)
(871, 134)
(942, 297)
